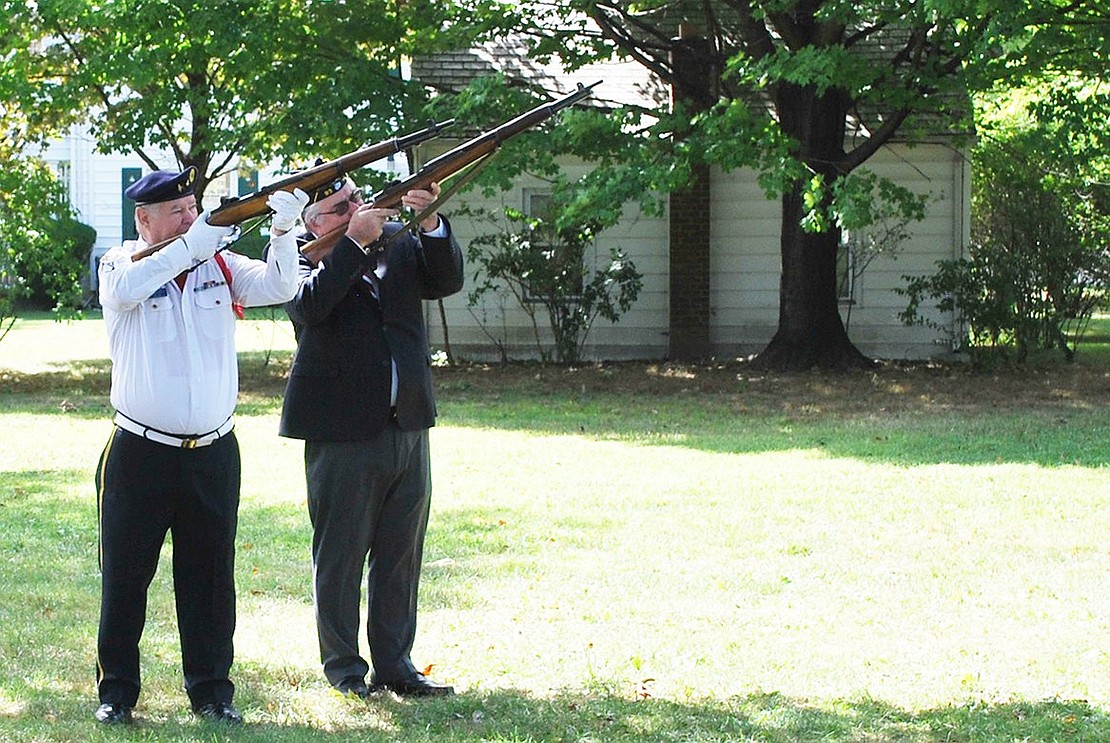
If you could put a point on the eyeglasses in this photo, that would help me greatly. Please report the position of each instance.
(344, 206)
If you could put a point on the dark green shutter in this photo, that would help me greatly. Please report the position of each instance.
(130, 175)
(248, 182)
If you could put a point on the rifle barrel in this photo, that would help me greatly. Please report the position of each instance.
(451, 162)
(515, 126)
(234, 212)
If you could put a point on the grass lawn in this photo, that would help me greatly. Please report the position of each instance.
(623, 552)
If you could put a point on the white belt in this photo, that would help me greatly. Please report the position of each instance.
(173, 439)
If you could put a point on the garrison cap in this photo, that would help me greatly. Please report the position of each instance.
(326, 190)
(162, 185)
(322, 192)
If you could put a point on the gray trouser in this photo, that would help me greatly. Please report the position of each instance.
(368, 502)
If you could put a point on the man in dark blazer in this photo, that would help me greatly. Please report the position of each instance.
(360, 396)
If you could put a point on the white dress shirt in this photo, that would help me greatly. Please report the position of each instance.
(174, 366)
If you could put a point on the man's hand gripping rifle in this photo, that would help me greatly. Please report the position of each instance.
(473, 152)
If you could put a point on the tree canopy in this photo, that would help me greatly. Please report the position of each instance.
(213, 82)
(806, 92)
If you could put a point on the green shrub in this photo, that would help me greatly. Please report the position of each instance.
(1038, 263)
(548, 272)
(43, 248)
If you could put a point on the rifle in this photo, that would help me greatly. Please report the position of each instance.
(472, 152)
(235, 210)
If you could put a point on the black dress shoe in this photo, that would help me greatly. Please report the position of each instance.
(111, 713)
(416, 686)
(353, 686)
(219, 712)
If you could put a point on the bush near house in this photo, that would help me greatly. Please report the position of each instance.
(43, 247)
(1038, 265)
(551, 276)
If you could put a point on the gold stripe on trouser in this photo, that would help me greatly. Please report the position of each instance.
(99, 522)
(100, 499)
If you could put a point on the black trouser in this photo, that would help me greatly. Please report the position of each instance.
(145, 489)
(368, 502)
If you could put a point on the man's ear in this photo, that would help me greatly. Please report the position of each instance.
(142, 216)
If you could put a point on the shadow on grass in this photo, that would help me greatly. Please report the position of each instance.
(78, 388)
(1077, 437)
(901, 415)
(261, 380)
(512, 715)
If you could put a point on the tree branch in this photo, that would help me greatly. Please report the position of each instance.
(871, 145)
(629, 46)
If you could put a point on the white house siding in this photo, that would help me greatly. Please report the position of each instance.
(744, 261)
(95, 186)
(640, 333)
(943, 174)
(95, 182)
(745, 265)
(745, 258)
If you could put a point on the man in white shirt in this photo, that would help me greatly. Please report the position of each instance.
(172, 462)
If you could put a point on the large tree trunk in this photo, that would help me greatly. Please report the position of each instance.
(810, 331)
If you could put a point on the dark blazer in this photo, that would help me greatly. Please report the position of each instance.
(338, 388)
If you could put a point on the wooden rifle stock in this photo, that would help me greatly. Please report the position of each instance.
(448, 164)
(236, 210)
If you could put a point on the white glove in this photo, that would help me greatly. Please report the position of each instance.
(287, 208)
(202, 238)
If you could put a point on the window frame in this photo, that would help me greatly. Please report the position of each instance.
(529, 208)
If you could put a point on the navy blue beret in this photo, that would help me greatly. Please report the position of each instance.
(163, 185)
